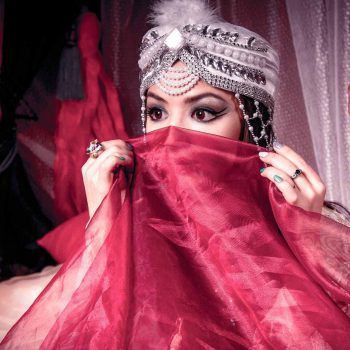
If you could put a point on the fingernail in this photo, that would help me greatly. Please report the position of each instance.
(277, 145)
(262, 170)
(130, 146)
(122, 158)
(278, 179)
(263, 154)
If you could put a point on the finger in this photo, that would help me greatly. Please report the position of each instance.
(113, 161)
(282, 163)
(119, 160)
(112, 149)
(121, 145)
(108, 166)
(123, 160)
(282, 182)
(126, 147)
(300, 163)
(93, 166)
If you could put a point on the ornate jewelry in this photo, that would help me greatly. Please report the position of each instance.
(296, 174)
(236, 60)
(95, 149)
(176, 81)
(256, 115)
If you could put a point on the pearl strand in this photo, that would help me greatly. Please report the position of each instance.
(256, 114)
(143, 117)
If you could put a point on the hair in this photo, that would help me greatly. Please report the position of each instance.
(250, 109)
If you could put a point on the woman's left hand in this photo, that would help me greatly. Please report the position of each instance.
(306, 190)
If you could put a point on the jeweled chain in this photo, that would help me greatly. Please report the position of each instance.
(157, 65)
(229, 68)
(226, 38)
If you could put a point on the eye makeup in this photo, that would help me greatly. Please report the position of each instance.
(200, 113)
(155, 113)
(206, 115)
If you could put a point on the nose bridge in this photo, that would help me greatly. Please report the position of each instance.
(177, 115)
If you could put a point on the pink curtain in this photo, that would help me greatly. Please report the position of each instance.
(321, 36)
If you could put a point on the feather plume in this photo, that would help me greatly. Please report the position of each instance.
(177, 13)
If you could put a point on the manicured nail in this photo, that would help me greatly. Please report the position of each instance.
(277, 145)
(278, 179)
(122, 158)
(130, 146)
(263, 154)
(262, 170)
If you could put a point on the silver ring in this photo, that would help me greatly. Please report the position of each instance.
(296, 174)
(95, 149)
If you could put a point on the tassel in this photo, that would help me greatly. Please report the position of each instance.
(69, 78)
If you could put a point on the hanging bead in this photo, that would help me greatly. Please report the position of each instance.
(246, 118)
(143, 117)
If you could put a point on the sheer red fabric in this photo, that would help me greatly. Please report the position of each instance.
(198, 252)
(53, 240)
(78, 122)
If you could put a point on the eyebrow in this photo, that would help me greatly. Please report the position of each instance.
(204, 95)
(156, 97)
(188, 99)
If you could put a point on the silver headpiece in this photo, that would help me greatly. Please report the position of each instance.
(222, 54)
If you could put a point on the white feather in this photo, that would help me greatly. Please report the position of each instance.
(177, 13)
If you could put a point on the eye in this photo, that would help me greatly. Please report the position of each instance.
(155, 114)
(204, 115)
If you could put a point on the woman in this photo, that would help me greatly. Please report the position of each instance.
(212, 110)
(194, 249)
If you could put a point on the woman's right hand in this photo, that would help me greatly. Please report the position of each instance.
(98, 172)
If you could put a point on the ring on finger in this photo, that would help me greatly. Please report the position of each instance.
(95, 149)
(296, 173)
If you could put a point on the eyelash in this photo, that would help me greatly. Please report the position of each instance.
(215, 114)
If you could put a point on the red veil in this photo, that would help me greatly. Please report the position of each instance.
(196, 251)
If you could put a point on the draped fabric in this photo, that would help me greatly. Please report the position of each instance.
(196, 251)
(78, 122)
(33, 36)
(53, 148)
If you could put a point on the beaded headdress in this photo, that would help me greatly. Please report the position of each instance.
(220, 53)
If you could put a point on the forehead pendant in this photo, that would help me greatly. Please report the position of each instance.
(176, 80)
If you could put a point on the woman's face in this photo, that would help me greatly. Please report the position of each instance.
(203, 108)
